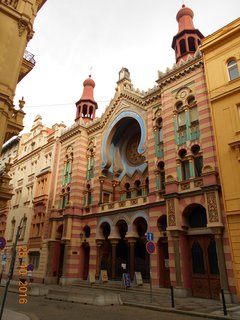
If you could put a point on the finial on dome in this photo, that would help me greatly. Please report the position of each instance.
(90, 72)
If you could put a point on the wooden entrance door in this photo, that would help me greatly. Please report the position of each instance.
(204, 264)
(164, 279)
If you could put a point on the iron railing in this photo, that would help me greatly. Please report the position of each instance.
(29, 57)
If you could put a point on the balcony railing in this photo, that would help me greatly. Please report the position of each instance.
(29, 57)
(11, 3)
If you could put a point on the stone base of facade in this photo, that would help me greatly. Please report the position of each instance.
(180, 292)
(67, 281)
(50, 280)
(229, 297)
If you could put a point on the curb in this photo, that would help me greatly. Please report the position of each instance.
(30, 315)
(172, 310)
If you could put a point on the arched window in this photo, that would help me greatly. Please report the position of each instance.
(191, 44)
(232, 69)
(183, 46)
(160, 130)
(128, 192)
(24, 225)
(90, 161)
(67, 167)
(90, 112)
(197, 160)
(193, 112)
(161, 176)
(184, 164)
(158, 137)
(87, 231)
(181, 115)
(162, 223)
(197, 217)
(147, 185)
(197, 258)
(138, 189)
(89, 195)
(84, 110)
(212, 257)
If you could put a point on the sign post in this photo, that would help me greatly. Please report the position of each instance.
(4, 257)
(150, 247)
(2, 243)
(10, 274)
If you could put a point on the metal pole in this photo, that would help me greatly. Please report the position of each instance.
(172, 297)
(224, 303)
(150, 278)
(10, 274)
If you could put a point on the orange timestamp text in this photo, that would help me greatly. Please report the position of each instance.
(22, 283)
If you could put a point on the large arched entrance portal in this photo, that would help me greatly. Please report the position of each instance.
(58, 256)
(204, 264)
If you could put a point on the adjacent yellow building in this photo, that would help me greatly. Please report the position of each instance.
(16, 25)
(221, 52)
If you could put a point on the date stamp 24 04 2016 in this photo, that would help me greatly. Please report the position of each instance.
(22, 283)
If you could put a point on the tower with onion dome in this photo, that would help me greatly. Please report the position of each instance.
(188, 39)
(87, 106)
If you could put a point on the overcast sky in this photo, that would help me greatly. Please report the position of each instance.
(73, 36)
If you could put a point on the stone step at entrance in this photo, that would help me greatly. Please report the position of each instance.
(118, 285)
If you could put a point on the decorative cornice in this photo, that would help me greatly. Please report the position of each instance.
(175, 74)
(70, 132)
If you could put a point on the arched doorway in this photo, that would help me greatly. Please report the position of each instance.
(58, 257)
(86, 252)
(140, 253)
(122, 264)
(204, 264)
(164, 270)
(106, 248)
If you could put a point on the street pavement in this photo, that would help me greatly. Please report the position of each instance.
(139, 297)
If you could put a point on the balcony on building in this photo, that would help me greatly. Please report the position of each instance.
(27, 64)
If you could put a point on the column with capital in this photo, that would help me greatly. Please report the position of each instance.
(101, 180)
(114, 243)
(99, 243)
(114, 185)
(131, 242)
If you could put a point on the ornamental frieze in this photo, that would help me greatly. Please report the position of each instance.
(171, 213)
(212, 207)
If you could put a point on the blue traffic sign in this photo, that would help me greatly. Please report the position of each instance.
(150, 247)
(2, 243)
(150, 236)
(30, 267)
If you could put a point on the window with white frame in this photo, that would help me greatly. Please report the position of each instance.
(233, 71)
